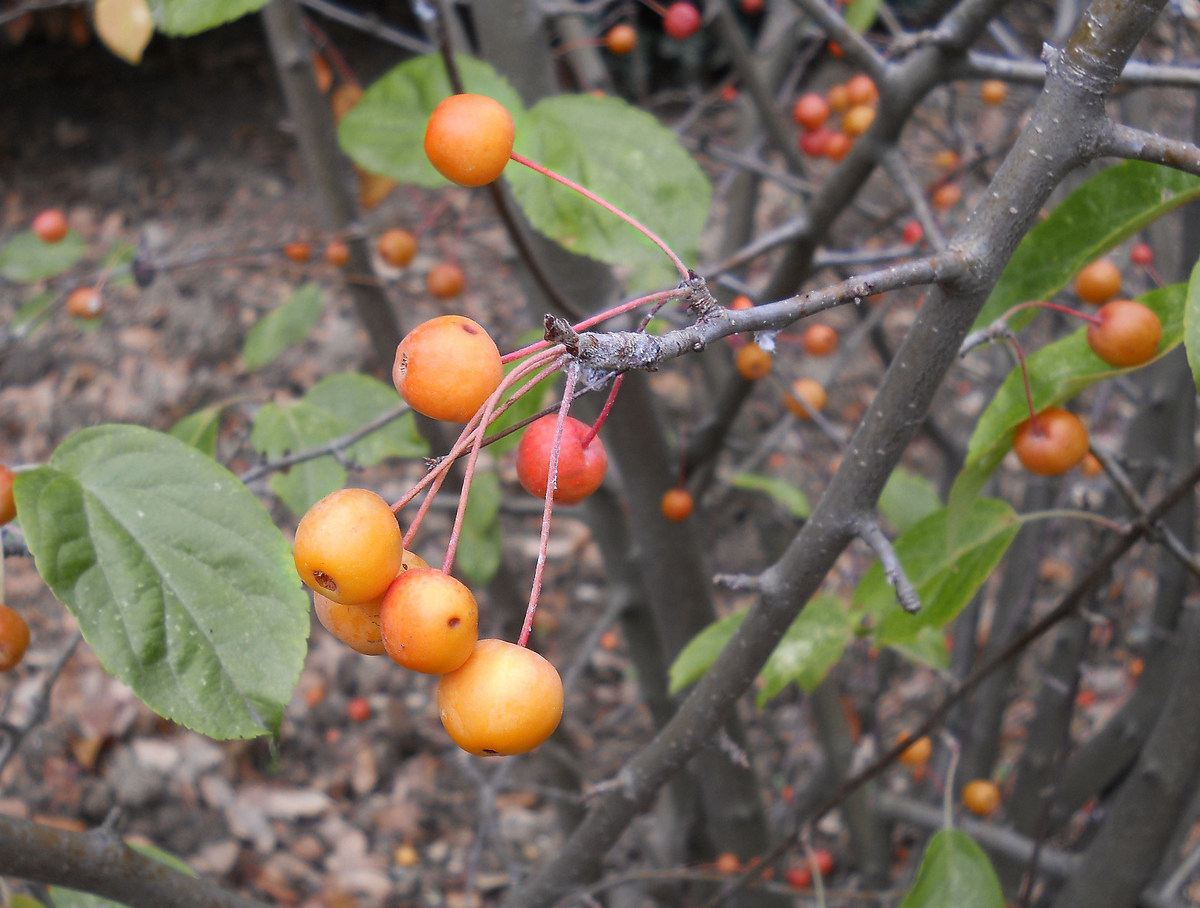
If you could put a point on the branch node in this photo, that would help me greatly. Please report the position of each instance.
(738, 581)
(906, 594)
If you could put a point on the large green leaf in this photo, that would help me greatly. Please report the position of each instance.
(789, 496)
(385, 132)
(180, 581)
(73, 898)
(954, 871)
(335, 406)
(279, 329)
(946, 569)
(629, 159)
(810, 648)
(481, 542)
(26, 258)
(1111, 206)
(1057, 373)
(189, 17)
(907, 498)
(1191, 323)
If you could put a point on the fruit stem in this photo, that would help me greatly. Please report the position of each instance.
(607, 206)
(551, 483)
(657, 7)
(434, 213)
(948, 800)
(661, 296)
(1020, 354)
(1042, 304)
(1051, 513)
(608, 405)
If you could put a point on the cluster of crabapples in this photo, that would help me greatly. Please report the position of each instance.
(980, 796)
(854, 101)
(1123, 333)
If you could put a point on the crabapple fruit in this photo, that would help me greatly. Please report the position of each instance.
(993, 91)
(444, 280)
(808, 396)
(85, 303)
(621, 39)
(753, 362)
(447, 367)
(1126, 333)
(861, 90)
(946, 196)
(505, 699)
(916, 753)
(1141, 254)
(348, 546)
(298, 252)
(681, 20)
(1051, 443)
(677, 504)
(1097, 282)
(14, 638)
(858, 119)
(430, 621)
(913, 233)
(356, 624)
(469, 139)
(580, 469)
(50, 225)
(8, 504)
(810, 111)
(337, 253)
(396, 247)
(981, 797)
(819, 340)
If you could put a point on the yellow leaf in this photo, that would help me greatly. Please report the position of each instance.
(125, 27)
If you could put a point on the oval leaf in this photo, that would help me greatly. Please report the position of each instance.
(702, 651)
(1112, 205)
(810, 648)
(180, 581)
(907, 498)
(187, 17)
(945, 568)
(791, 497)
(25, 258)
(279, 329)
(1191, 323)
(954, 871)
(385, 132)
(628, 158)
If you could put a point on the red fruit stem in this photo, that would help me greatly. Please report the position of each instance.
(1042, 304)
(607, 206)
(657, 7)
(1033, 420)
(1154, 275)
(608, 405)
(551, 482)
(434, 213)
(663, 295)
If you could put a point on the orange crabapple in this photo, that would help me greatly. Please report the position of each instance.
(580, 469)
(444, 280)
(810, 111)
(356, 624)
(1097, 282)
(819, 340)
(917, 753)
(396, 247)
(677, 504)
(807, 397)
(505, 699)
(447, 367)
(993, 91)
(861, 90)
(1125, 333)
(753, 362)
(14, 638)
(981, 797)
(337, 253)
(838, 97)
(621, 39)
(298, 251)
(837, 146)
(348, 546)
(741, 302)
(858, 119)
(469, 139)
(85, 303)
(429, 620)
(1051, 443)
(8, 504)
(946, 196)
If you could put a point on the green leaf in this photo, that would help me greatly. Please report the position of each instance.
(385, 132)
(1112, 205)
(1191, 323)
(702, 651)
(279, 329)
(335, 406)
(907, 498)
(32, 312)
(928, 647)
(1057, 373)
(199, 429)
(24, 901)
(117, 262)
(481, 542)
(810, 648)
(628, 158)
(188, 17)
(73, 898)
(786, 494)
(26, 258)
(945, 568)
(860, 14)
(179, 580)
(954, 871)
